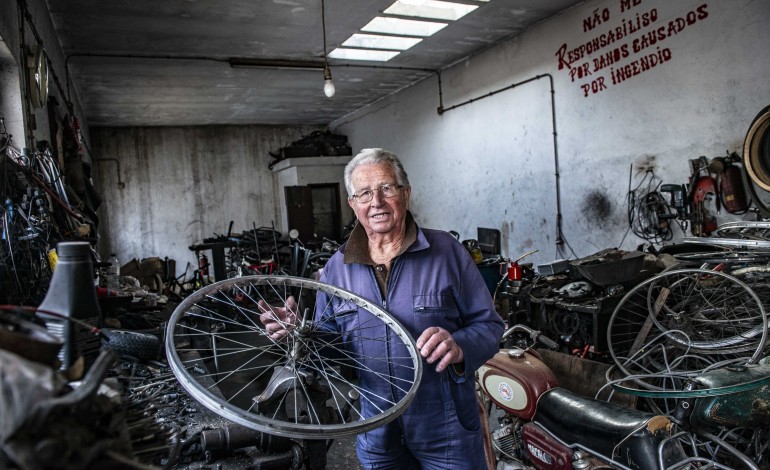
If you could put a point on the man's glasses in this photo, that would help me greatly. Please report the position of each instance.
(387, 191)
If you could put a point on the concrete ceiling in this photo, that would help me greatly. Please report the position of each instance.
(189, 81)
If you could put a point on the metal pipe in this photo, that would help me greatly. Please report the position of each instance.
(442, 110)
(121, 184)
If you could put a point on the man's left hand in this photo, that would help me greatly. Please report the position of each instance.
(437, 344)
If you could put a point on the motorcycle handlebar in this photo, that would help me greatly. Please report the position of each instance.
(548, 342)
(534, 335)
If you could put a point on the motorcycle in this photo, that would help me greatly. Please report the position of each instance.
(543, 426)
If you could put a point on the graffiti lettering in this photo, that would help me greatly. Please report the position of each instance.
(566, 57)
(609, 58)
(674, 27)
(580, 72)
(638, 66)
(627, 48)
(596, 19)
(594, 87)
(639, 22)
(628, 4)
(677, 25)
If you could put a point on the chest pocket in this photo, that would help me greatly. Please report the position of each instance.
(431, 304)
(434, 307)
(344, 310)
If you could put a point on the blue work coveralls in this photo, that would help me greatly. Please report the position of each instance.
(433, 283)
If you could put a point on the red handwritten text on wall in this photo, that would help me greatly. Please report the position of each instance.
(632, 46)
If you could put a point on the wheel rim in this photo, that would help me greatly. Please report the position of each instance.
(755, 150)
(222, 356)
(680, 322)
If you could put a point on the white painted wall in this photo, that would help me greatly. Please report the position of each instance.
(183, 185)
(491, 163)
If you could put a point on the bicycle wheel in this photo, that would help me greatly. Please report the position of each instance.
(752, 230)
(726, 257)
(684, 321)
(308, 386)
(728, 242)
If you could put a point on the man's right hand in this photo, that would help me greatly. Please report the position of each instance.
(278, 321)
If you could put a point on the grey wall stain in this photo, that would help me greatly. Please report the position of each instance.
(597, 209)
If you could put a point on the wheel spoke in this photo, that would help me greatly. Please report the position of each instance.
(306, 385)
(680, 323)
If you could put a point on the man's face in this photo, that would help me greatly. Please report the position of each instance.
(382, 215)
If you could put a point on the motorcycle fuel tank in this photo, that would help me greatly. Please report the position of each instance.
(514, 379)
(745, 403)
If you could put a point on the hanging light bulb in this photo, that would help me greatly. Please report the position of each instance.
(329, 88)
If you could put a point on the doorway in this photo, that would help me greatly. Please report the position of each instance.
(314, 211)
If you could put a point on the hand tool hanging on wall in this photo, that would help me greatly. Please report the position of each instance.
(701, 186)
(731, 190)
(677, 199)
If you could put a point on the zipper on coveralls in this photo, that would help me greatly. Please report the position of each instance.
(391, 280)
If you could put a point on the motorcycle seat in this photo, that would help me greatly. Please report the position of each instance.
(603, 427)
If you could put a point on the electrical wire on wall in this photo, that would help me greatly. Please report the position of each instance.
(650, 216)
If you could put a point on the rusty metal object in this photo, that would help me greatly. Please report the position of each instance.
(28, 339)
(748, 407)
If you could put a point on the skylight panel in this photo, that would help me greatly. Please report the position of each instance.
(434, 9)
(373, 41)
(381, 24)
(362, 54)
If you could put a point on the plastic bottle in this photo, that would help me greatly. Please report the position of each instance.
(72, 296)
(113, 273)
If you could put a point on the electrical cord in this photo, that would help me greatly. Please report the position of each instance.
(650, 216)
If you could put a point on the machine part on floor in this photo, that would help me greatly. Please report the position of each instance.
(293, 388)
(554, 267)
(610, 266)
(235, 436)
(64, 428)
(167, 429)
(756, 160)
(28, 339)
(143, 346)
(575, 290)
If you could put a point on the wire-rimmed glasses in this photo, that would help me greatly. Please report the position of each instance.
(386, 190)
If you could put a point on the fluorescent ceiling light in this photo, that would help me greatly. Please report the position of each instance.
(436, 9)
(373, 41)
(362, 54)
(381, 24)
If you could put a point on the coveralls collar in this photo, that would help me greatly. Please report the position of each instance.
(356, 249)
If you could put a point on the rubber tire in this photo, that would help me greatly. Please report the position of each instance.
(755, 175)
(141, 346)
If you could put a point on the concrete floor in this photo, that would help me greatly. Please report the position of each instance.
(342, 455)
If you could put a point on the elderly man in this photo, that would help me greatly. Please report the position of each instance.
(429, 283)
